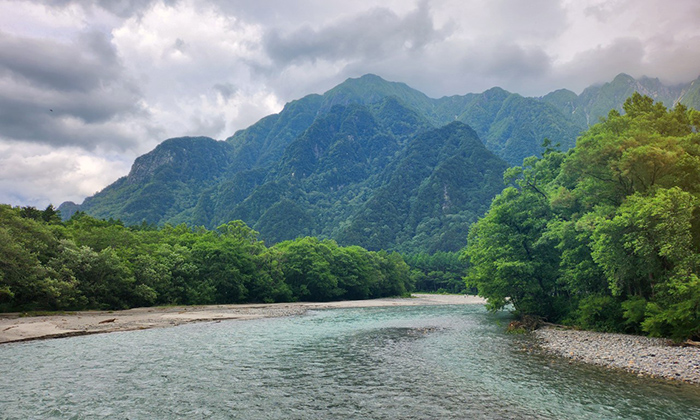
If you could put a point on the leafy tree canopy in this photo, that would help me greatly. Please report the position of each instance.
(86, 263)
(605, 236)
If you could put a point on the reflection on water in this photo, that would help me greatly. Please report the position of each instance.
(433, 362)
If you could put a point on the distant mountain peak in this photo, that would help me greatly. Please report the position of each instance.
(370, 76)
(370, 89)
(623, 77)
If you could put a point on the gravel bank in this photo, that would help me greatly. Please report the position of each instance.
(654, 357)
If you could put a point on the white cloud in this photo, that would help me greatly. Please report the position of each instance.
(662, 39)
(37, 175)
(181, 52)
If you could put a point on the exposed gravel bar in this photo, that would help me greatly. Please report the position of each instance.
(654, 357)
(15, 328)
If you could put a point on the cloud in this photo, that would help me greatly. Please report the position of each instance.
(226, 90)
(673, 60)
(624, 55)
(375, 33)
(441, 48)
(637, 37)
(121, 8)
(532, 21)
(37, 175)
(82, 65)
(197, 79)
(66, 93)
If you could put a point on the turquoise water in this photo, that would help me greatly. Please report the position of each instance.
(432, 362)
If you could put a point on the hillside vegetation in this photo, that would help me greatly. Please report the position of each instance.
(604, 236)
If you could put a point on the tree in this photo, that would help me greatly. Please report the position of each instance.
(306, 266)
(647, 252)
(510, 261)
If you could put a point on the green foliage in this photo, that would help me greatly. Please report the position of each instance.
(440, 272)
(163, 183)
(599, 313)
(344, 159)
(606, 236)
(87, 263)
(441, 181)
(321, 270)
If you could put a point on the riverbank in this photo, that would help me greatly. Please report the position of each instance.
(655, 357)
(15, 328)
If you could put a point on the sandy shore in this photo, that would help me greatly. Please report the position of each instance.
(654, 357)
(14, 328)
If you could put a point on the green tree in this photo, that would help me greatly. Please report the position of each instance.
(307, 270)
(647, 251)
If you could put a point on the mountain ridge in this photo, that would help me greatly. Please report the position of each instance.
(327, 161)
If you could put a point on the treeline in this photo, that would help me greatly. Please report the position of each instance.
(85, 263)
(606, 236)
(441, 272)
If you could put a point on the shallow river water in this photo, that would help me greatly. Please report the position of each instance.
(430, 362)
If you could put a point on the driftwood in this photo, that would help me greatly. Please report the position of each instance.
(691, 343)
(106, 321)
(525, 323)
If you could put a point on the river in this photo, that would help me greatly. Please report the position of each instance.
(427, 362)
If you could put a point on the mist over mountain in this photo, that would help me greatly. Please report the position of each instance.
(370, 162)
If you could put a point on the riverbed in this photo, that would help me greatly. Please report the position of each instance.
(409, 362)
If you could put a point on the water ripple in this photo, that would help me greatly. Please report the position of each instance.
(446, 362)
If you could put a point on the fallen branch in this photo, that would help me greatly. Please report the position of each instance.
(691, 343)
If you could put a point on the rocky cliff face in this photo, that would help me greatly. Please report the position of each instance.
(145, 166)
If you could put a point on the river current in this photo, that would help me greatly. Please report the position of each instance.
(428, 362)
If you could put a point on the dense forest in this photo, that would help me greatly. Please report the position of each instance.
(85, 263)
(370, 163)
(605, 236)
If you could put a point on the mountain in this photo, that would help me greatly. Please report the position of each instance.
(369, 162)
(436, 188)
(596, 101)
(163, 184)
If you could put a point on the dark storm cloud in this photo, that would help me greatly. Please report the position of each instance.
(369, 35)
(51, 120)
(60, 93)
(82, 65)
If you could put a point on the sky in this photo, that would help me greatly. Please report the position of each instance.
(87, 86)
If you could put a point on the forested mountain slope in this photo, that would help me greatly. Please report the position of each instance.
(370, 162)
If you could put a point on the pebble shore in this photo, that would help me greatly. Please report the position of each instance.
(653, 357)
